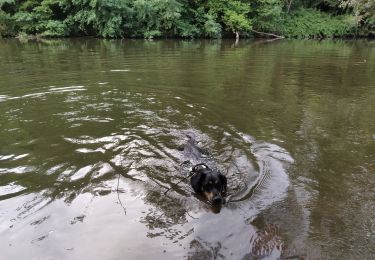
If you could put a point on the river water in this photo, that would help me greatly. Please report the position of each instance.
(90, 149)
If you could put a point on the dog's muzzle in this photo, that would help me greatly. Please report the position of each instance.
(218, 200)
(215, 198)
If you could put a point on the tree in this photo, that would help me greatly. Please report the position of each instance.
(364, 12)
(187, 18)
(157, 17)
(236, 22)
(267, 15)
(232, 14)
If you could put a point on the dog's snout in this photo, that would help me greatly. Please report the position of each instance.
(217, 200)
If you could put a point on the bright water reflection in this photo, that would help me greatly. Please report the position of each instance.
(91, 133)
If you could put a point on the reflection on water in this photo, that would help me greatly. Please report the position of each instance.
(91, 135)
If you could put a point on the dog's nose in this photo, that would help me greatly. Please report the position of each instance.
(217, 200)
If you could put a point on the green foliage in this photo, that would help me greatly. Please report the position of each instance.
(235, 21)
(364, 12)
(267, 15)
(186, 18)
(82, 22)
(309, 23)
(211, 28)
(154, 18)
(6, 25)
(6, 22)
(110, 17)
(27, 22)
(186, 29)
(55, 29)
(232, 14)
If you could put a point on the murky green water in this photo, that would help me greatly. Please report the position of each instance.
(90, 137)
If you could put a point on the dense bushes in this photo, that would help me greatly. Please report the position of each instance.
(308, 23)
(186, 18)
(6, 24)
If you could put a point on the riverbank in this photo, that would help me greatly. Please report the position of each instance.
(187, 19)
(39, 38)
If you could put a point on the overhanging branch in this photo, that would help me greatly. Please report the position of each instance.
(269, 34)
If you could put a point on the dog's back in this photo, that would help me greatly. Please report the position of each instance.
(192, 152)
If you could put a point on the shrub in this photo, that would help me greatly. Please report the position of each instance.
(6, 25)
(55, 29)
(310, 23)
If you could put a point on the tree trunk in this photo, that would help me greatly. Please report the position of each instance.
(289, 5)
(237, 35)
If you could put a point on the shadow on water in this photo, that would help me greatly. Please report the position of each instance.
(91, 136)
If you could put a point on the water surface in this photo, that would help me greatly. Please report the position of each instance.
(90, 149)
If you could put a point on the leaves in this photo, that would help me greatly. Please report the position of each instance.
(232, 14)
(267, 14)
(236, 21)
(212, 29)
(186, 18)
(364, 13)
(310, 23)
(55, 29)
(157, 17)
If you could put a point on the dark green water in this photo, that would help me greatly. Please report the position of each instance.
(90, 137)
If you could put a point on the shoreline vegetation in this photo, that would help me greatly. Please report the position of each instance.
(303, 19)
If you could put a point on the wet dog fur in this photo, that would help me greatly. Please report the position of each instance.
(209, 183)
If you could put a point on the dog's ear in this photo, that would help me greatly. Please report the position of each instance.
(223, 181)
(197, 181)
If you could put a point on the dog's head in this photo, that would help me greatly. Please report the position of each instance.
(209, 183)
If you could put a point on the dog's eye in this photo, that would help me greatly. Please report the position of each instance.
(216, 182)
(210, 182)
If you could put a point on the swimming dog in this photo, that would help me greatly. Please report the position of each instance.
(209, 183)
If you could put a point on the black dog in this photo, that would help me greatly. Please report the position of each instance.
(209, 183)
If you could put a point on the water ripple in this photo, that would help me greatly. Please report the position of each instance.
(11, 188)
(78, 145)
